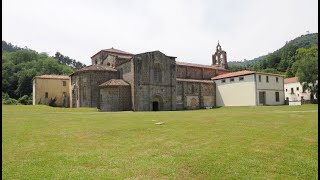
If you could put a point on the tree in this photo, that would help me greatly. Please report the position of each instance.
(307, 74)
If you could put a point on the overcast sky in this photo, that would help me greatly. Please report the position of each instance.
(186, 29)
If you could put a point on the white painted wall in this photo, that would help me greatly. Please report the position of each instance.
(270, 88)
(296, 96)
(237, 93)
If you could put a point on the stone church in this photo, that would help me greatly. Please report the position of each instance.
(150, 81)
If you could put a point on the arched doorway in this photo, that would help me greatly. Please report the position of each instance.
(157, 103)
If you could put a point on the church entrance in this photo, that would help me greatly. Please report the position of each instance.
(155, 106)
(156, 103)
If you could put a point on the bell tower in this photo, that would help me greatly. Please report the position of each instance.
(219, 58)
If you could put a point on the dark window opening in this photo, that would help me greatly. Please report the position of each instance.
(292, 92)
(241, 78)
(64, 83)
(259, 78)
(46, 95)
(277, 97)
(267, 79)
(297, 88)
(286, 90)
(232, 79)
(277, 79)
(223, 80)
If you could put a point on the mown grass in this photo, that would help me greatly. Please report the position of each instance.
(40, 142)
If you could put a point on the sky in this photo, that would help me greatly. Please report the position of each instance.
(186, 29)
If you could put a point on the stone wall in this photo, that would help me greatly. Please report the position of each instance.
(85, 87)
(115, 98)
(154, 82)
(195, 95)
(187, 72)
(126, 72)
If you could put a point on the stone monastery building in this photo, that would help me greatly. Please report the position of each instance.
(150, 81)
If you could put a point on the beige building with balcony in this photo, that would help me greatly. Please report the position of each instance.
(47, 88)
(249, 88)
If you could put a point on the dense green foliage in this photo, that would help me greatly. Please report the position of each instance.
(285, 60)
(20, 65)
(68, 61)
(264, 142)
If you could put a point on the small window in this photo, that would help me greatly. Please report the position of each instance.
(277, 97)
(64, 83)
(232, 80)
(292, 92)
(223, 80)
(108, 64)
(241, 78)
(277, 79)
(286, 90)
(46, 95)
(303, 89)
(95, 62)
(297, 88)
(192, 89)
(267, 79)
(259, 78)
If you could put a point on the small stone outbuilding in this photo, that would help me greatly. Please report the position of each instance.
(115, 95)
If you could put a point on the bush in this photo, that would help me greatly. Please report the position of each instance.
(26, 100)
(10, 101)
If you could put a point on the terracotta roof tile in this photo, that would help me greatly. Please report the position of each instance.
(52, 76)
(97, 67)
(291, 80)
(114, 82)
(241, 73)
(194, 80)
(179, 63)
(117, 51)
(114, 51)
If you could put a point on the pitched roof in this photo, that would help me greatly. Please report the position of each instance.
(241, 73)
(114, 82)
(179, 63)
(52, 76)
(117, 51)
(194, 80)
(291, 80)
(95, 67)
(114, 51)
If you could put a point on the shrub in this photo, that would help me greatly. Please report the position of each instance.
(10, 101)
(26, 100)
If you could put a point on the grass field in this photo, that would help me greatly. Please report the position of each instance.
(40, 142)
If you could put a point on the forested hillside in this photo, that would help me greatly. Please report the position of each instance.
(20, 65)
(285, 60)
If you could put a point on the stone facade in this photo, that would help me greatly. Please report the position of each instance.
(150, 81)
(85, 86)
(154, 82)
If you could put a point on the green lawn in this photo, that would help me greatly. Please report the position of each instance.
(40, 142)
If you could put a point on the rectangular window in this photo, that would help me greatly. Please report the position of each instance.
(64, 83)
(232, 80)
(267, 79)
(259, 78)
(292, 92)
(277, 97)
(223, 80)
(241, 78)
(46, 95)
(297, 88)
(286, 90)
(277, 79)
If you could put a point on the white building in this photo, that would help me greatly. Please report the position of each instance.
(249, 88)
(294, 92)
